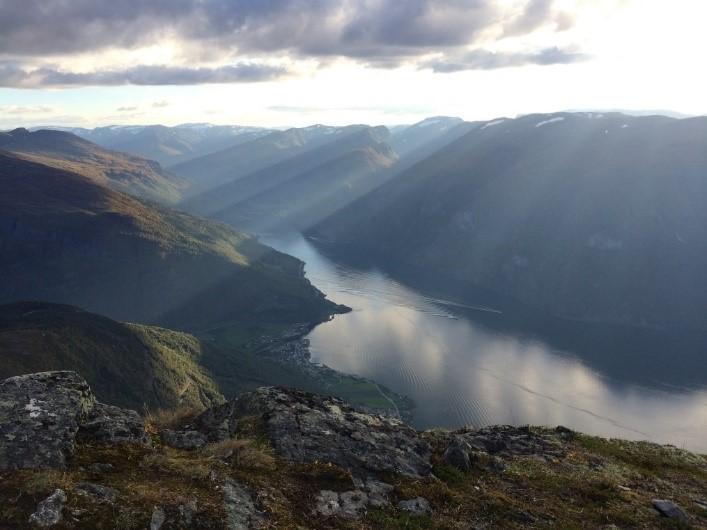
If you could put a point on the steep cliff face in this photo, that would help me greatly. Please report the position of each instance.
(66, 239)
(279, 458)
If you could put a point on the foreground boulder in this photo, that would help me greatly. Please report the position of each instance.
(42, 414)
(305, 427)
(49, 510)
(669, 509)
(112, 425)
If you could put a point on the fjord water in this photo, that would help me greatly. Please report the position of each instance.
(467, 365)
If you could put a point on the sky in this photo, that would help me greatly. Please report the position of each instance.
(282, 63)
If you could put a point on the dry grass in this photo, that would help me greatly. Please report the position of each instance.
(246, 453)
(156, 421)
(44, 480)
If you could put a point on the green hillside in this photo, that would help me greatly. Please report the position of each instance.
(130, 365)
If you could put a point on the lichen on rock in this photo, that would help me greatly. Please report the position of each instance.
(42, 414)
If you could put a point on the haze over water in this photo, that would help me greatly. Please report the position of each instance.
(465, 366)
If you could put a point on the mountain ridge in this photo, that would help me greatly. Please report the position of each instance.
(63, 150)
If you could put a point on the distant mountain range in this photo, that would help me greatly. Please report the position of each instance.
(228, 165)
(292, 179)
(68, 239)
(168, 145)
(587, 216)
(122, 172)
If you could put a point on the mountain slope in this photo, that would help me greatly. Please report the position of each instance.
(416, 136)
(308, 197)
(126, 364)
(126, 173)
(208, 172)
(64, 238)
(596, 217)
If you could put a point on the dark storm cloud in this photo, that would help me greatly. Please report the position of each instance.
(355, 28)
(14, 76)
(485, 60)
(33, 27)
(384, 33)
(318, 27)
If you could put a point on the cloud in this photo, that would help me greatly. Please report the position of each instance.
(36, 27)
(372, 29)
(486, 60)
(160, 104)
(126, 109)
(20, 109)
(382, 33)
(382, 109)
(535, 14)
(13, 75)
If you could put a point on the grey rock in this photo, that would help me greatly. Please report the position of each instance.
(102, 494)
(457, 455)
(158, 518)
(39, 417)
(183, 439)
(669, 509)
(496, 464)
(100, 468)
(217, 423)
(349, 504)
(327, 503)
(187, 511)
(241, 512)
(378, 493)
(112, 425)
(509, 441)
(353, 504)
(305, 427)
(416, 507)
(49, 510)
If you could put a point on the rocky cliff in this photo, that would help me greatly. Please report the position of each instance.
(280, 458)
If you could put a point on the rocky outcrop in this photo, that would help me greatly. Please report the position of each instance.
(349, 504)
(217, 423)
(184, 439)
(111, 425)
(305, 427)
(42, 414)
(484, 447)
(355, 477)
(416, 507)
(353, 504)
(49, 510)
(241, 512)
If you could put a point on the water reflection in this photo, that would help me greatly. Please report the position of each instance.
(469, 365)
